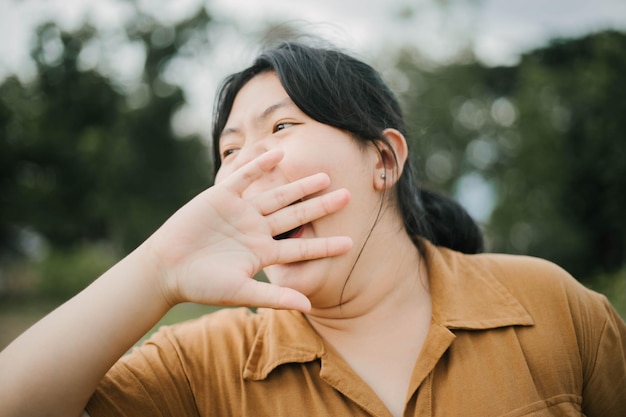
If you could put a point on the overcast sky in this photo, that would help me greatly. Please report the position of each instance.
(498, 31)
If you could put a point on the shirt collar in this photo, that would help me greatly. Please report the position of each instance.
(284, 336)
(466, 294)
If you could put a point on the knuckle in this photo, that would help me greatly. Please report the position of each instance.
(281, 197)
(327, 204)
(302, 213)
(305, 250)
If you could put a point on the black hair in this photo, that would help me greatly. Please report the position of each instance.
(336, 89)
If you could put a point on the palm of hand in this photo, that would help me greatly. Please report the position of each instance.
(210, 249)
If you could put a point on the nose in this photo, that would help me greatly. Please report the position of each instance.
(246, 153)
(270, 179)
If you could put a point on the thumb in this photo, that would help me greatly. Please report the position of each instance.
(262, 294)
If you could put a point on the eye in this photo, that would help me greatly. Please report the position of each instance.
(227, 152)
(281, 126)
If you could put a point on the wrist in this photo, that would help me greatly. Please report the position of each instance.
(158, 275)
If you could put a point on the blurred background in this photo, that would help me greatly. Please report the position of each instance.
(517, 109)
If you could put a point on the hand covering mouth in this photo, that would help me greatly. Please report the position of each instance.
(293, 232)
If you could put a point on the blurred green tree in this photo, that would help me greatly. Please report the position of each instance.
(537, 149)
(84, 160)
(571, 104)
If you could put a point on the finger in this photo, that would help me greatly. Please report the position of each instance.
(261, 294)
(242, 178)
(296, 250)
(277, 198)
(307, 211)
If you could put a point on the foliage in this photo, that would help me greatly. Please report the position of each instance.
(614, 287)
(572, 126)
(544, 138)
(65, 272)
(82, 160)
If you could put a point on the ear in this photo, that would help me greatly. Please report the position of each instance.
(391, 159)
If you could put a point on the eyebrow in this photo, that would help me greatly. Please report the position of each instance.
(286, 102)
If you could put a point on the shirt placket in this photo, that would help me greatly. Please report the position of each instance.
(419, 396)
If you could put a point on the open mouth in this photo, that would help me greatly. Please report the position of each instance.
(290, 233)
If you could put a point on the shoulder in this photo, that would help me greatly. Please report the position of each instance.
(231, 333)
(529, 276)
(576, 342)
(540, 286)
(544, 288)
(223, 330)
(196, 343)
(218, 343)
(518, 267)
(571, 320)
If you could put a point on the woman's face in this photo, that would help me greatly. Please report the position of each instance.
(263, 117)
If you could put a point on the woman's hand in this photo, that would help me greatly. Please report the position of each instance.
(209, 250)
(206, 252)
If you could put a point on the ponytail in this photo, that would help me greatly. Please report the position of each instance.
(449, 224)
(435, 217)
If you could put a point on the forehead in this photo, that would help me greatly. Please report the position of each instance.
(258, 94)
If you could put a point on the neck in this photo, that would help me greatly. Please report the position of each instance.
(388, 284)
(381, 324)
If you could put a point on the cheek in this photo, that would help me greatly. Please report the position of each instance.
(304, 158)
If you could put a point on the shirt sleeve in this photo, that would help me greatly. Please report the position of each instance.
(604, 367)
(150, 381)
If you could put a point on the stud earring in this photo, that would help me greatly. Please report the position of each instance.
(383, 176)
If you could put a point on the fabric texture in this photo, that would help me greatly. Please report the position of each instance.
(510, 336)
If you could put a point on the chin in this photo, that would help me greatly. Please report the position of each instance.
(306, 276)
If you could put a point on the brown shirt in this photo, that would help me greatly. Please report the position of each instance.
(510, 336)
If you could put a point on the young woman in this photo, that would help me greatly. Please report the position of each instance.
(379, 303)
